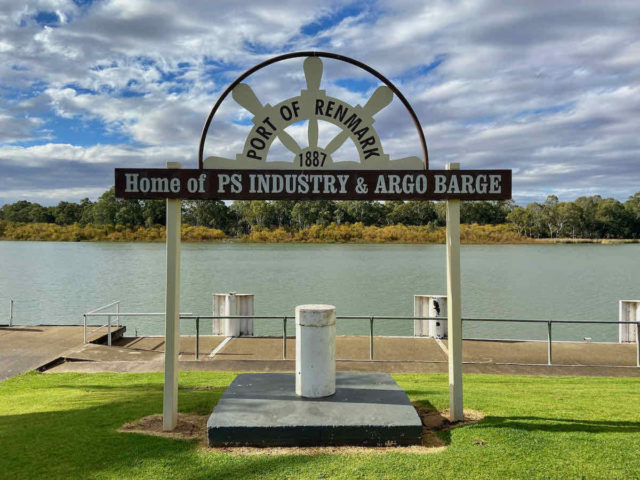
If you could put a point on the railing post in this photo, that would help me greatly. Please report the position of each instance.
(197, 337)
(109, 330)
(637, 344)
(11, 312)
(284, 338)
(549, 341)
(371, 338)
(84, 323)
(118, 313)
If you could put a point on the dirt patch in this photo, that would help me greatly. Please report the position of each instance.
(435, 420)
(189, 427)
(194, 427)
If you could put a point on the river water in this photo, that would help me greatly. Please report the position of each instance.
(55, 283)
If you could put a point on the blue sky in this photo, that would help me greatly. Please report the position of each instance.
(548, 89)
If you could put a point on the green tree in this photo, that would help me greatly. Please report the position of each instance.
(411, 212)
(612, 218)
(67, 213)
(20, 211)
(312, 212)
(632, 205)
(105, 209)
(39, 214)
(549, 215)
(588, 223)
(254, 214)
(208, 213)
(154, 212)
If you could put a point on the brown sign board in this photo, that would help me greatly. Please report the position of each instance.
(203, 184)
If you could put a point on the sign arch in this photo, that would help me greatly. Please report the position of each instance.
(312, 54)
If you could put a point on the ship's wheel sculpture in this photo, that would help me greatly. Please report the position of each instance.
(313, 105)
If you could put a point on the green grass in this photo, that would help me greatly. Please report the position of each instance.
(65, 426)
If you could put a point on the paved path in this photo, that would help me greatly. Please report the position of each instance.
(27, 348)
(391, 354)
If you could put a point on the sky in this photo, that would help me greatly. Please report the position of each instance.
(549, 89)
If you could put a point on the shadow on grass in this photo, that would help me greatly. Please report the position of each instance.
(561, 424)
(81, 441)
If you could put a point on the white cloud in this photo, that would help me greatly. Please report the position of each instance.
(547, 88)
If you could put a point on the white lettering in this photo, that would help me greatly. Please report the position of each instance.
(453, 185)
(381, 186)
(131, 182)
(494, 184)
(407, 184)
(223, 181)
(394, 184)
(159, 184)
(329, 184)
(290, 183)
(236, 183)
(343, 183)
(467, 184)
(263, 184)
(303, 184)
(481, 184)
(277, 184)
(316, 179)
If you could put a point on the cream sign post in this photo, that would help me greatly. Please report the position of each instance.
(310, 172)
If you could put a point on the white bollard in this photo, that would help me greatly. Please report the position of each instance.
(241, 304)
(244, 307)
(218, 311)
(231, 325)
(421, 309)
(315, 350)
(629, 312)
(432, 306)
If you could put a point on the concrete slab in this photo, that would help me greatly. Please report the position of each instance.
(392, 355)
(27, 348)
(187, 344)
(101, 353)
(347, 348)
(262, 409)
(563, 353)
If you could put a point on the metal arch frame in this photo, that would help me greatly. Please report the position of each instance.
(334, 56)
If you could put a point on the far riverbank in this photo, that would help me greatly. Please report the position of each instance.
(332, 233)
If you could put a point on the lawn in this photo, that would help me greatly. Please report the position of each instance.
(65, 426)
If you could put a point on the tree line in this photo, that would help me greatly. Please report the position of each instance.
(585, 217)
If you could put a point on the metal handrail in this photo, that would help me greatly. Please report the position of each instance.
(103, 307)
(117, 314)
(371, 319)
(94, 313)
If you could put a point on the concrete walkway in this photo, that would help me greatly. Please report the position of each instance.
(61, 349)
(28, 348)
(391, 354)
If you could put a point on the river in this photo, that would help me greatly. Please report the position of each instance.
(55, 283)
